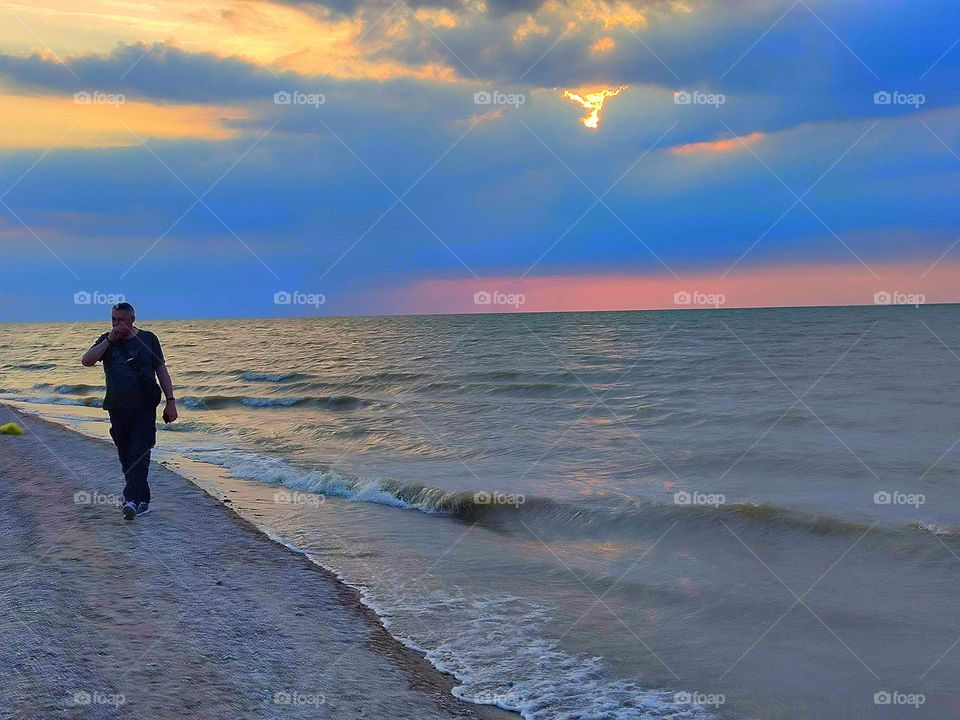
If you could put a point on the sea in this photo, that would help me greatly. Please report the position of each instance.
(749, 514)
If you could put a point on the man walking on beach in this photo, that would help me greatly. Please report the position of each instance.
(131, 358)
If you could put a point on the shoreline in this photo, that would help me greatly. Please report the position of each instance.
(209, 603)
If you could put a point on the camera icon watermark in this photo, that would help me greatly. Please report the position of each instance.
(495, 297)
(895, 497)
(83, 297)
(96, 97)
(895, 697)
(286, 497)
(96, 697)
(697, 498)
(895, 97)
(95, 497)
(693, 697)
(495, 97)
(895, 297)
(284, 297)
(696, 97)
(296, 97)
(696, 298)
(495, 497)
(298, 698)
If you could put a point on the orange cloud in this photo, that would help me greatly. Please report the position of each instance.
(485, 117)
(779, 286)
(608, 13)
(302, 37)
(717, 146)
(41, 121)
(287, 37)
(529, 27)
(437, 17)
(602, 45)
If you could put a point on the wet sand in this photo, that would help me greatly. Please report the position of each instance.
(188, 611)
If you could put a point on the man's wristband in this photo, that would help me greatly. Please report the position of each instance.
(171, 399)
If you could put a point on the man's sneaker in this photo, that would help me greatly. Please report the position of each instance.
(129, 510)
(143, 508)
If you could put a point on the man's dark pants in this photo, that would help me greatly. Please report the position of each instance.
(134, 432)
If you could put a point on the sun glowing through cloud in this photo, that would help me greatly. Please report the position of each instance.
(592, 102)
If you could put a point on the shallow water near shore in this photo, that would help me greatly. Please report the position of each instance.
(594, 515)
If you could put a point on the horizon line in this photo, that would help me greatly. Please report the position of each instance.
(506, 312)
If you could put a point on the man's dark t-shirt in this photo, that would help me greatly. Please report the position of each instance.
(123, 374)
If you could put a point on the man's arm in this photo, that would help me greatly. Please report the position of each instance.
(166, 384)
(92, 356)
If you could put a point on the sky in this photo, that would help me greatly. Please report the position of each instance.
(253, 158)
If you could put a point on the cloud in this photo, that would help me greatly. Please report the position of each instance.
(158, 71)
(603, 45)
(723, 145)
(95, 120)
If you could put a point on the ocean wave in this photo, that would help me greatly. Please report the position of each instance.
(32, 366)
(267, 469)
(528, 388)
(515, 389)
(269, 377)
(511, 512)
(58, 400)
(188, 426)
(330, 402)
(388, 376)
(936, 529)
(500, 657)
(78, 389)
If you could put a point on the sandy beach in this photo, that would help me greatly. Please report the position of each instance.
(186, 612)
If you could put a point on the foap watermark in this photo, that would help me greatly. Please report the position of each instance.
(83, 297)
(283, 297)
(96, 97)
(495, 297)
(484, 697)
(296, 97)
(895, 497)
(682, 497)
(693, 697)
(696, 97)
(95, 497)
(96, 697)
(895, 97)
(895, 697)
(299, 698)
(495, 97)
(286, 497)
(495, 497)
(696, 298)
(896, 297)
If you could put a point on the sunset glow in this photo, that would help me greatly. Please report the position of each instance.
(592, 102)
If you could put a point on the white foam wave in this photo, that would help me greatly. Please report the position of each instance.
(250, 466)
(57, 400)
(493, 646)
(499, 657)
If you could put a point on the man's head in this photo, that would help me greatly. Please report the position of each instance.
(122, 315)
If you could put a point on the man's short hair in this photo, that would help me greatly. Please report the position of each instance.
(126, 307)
